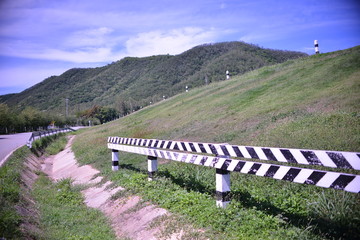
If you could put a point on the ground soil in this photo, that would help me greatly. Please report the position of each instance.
(131, 218)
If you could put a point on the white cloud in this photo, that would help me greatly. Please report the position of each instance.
(101, 45)
(23, 49)
(101, 54)
(89, 38)
(168, 42)
(24, 77)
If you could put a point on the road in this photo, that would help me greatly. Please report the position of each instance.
(9, 143)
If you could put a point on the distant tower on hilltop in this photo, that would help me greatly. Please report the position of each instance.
(316, 46)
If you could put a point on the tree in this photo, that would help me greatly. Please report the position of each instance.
(34, 119)
(103, 114)
(5, 118)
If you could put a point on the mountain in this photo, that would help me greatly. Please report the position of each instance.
(132, 83)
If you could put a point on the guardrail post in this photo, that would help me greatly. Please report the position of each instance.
(152, 167)
(115, 159)
(222, 188)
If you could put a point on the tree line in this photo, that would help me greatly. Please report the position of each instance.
(98, 114)
(31, 119)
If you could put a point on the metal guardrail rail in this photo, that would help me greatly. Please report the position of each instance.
(40, 134)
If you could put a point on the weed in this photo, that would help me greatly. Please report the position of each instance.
(63, 214)
(339, 210)
(139, 205)
(51, 144)
(120, 194)
(56, 146)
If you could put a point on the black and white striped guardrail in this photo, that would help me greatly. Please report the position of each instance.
(326, 179)
(334, 159)
(224, 164)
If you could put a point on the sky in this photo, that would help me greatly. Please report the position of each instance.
(43, 38)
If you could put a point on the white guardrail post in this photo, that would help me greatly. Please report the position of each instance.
(222, 188)
(152, 167)
(115, 160)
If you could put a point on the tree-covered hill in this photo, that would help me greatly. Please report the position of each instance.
(131, 83)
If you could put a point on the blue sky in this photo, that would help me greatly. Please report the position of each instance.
(41, 38)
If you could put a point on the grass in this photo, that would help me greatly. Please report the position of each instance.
(56, 146)
(306, 103)
(11, 194)
(60, 211)
(189, 191)
(64, 215)
(52, 144)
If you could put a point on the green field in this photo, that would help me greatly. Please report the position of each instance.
(310, 103)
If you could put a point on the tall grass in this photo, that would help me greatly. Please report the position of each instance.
(50, 144)
(57, 146)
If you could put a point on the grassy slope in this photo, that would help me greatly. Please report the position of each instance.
(286, 105)
(306, 103)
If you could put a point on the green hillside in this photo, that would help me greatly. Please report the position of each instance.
(132, 82)
(311, 102)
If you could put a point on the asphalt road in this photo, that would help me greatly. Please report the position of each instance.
(9, 143)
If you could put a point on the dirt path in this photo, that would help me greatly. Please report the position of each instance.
(130, 217)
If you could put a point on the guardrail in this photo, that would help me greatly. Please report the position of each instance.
(40, 134)
(218, 157)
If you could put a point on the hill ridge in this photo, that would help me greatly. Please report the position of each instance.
(132, 82)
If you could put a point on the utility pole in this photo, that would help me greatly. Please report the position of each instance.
(67, 106)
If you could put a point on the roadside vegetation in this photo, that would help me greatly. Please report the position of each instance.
(53, 210)
(49, 145)
(11, 194)
(28, 120)
(31, 119)
(309, 103)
